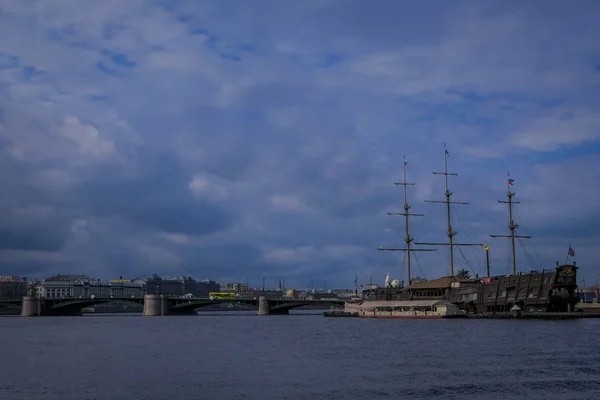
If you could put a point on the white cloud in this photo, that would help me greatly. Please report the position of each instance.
(290, 203)
(178, 238)
(79, 227)
(562, 130)
(568, 129)
(209, 187)
(81, 233)
(87, 137)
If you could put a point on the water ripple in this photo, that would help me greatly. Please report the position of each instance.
(296, 357)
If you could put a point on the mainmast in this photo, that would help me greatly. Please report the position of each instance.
(511, 224)
(407, 238)
(450, 232)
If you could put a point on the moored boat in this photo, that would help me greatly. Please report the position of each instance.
(412, 309)
(460, 295)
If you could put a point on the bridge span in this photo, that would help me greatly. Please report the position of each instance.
(155, 305)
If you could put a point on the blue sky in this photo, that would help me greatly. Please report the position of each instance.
(246, 139)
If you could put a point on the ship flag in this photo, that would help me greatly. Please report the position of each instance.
(571, 252)
(405, 162)
(511, 181)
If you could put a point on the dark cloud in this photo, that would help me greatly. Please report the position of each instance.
(263, 141)
(201, 220)
(32, 238)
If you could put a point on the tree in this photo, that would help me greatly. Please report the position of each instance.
(463, 274)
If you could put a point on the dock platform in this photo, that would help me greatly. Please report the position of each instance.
(544, 315)
(340, 314)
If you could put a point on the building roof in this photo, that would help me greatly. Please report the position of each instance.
(444, 282)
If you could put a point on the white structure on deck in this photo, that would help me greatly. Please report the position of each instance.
(412, 308)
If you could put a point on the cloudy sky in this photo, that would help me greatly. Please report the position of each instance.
(238, 140)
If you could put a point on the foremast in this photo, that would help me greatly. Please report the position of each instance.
(511, 224)
(450, 232)
(407, 238)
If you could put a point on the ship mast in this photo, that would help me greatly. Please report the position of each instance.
(511, 224)
(450, 232)
(407, 238)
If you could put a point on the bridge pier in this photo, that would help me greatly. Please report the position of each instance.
(155, 304)
(263, 306)
(32, 307)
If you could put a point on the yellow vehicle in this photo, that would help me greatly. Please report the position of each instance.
(221, 295)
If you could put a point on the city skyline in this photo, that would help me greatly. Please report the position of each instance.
(252, 140)
(269, 282)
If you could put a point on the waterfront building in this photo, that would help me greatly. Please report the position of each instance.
(204, 287)
(233, 287)
(127, 287)
(179, 286)
(61, 286)
(13, 287)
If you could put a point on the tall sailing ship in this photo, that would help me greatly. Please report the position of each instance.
(452, 296)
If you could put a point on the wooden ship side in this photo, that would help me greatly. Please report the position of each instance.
(550, 290)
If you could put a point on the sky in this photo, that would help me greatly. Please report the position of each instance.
(241, 140)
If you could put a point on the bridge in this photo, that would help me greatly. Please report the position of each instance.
(154, 305)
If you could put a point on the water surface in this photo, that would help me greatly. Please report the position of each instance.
(244, 356)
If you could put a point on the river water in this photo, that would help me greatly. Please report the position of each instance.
(300, 356)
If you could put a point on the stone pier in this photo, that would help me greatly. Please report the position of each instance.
(32, 307)
(155, 304)
(263, 306)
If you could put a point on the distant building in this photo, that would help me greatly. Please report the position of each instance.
(179, 286)
(268, 293)
(61, 286)
(171, 286)
(13, 287)
(233, 287)
(127, 287)
(203, 288)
